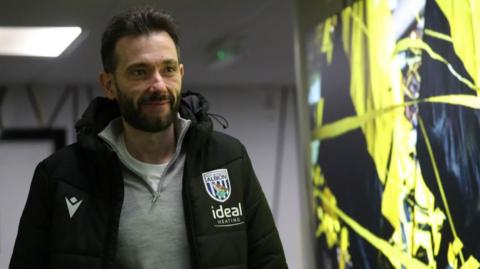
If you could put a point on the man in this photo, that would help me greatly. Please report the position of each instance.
(148, 184)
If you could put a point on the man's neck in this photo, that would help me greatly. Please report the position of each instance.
(153, 148)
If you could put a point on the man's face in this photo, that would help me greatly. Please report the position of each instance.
(147, 81)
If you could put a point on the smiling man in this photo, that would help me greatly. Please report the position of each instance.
(149, 184)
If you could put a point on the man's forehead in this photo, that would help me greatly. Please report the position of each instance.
(158, 38)
(147, 46)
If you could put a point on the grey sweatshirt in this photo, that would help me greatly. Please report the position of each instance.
(152, 232)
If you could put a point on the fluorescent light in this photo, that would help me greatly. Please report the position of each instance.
(36, 41)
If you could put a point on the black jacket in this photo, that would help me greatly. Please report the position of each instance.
(236, 233)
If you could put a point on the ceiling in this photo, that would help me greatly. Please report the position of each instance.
(264, 26)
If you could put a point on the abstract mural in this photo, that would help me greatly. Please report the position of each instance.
(395, 118)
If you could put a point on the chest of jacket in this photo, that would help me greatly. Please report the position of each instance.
(87, 208)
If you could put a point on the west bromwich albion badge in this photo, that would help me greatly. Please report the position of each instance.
(217, 184)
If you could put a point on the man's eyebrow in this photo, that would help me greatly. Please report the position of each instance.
(170, 61)
(136, 65)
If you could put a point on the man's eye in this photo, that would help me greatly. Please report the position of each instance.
(138, 72)
(170, 69)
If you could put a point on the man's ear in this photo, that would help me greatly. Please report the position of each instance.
(182, 70)
(106, 80)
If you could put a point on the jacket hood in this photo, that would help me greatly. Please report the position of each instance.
(194, 106)
(101, 111)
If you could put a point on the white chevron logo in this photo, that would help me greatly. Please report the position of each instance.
(72, 204)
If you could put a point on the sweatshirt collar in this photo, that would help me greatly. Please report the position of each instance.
(112, 134)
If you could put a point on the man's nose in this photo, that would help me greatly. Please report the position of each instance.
(157, 82)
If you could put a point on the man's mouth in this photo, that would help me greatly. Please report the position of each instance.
(157, 103)
(156, 100)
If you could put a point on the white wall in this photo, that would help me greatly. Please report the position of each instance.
(253, 114)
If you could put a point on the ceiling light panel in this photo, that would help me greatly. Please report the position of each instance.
(36, 41)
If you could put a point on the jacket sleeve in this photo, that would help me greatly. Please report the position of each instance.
(31, 248)
(265, 249)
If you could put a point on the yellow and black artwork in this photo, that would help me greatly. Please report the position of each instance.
(394, 95)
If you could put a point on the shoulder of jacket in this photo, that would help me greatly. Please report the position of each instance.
(226, 143)
(218, 150)
(65, 152)
(65, 161)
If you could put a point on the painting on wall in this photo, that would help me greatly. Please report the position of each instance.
(394, 114)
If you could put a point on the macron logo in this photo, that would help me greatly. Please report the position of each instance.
(72, 204)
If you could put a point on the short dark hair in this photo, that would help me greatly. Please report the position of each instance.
(135, 21)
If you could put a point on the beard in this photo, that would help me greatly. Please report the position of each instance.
(133, 113)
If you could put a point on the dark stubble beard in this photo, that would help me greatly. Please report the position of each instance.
(133, 114)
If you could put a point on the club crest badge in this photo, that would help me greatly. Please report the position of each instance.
(217, 184)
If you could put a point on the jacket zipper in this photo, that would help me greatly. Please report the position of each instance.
(156, 194)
